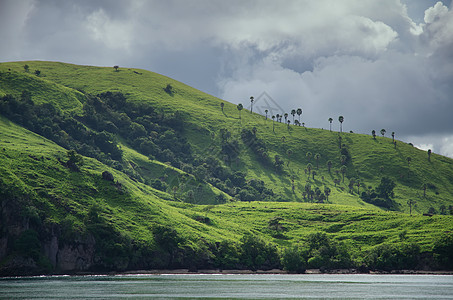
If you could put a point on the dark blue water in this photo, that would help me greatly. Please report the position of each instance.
(198, 286)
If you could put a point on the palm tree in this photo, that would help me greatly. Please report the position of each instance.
(240, 107)
(296, 122)
(424, 186)
(289, 122)
(251, 103)
(317, 157)
(339, 140)
(341, 119)
(343, 159)
(411, 203)
(343, 171)
(273, 123)
(286, 116)
(299, 112)
(289, 152)
(278, 117)
(293, 113)
(309, 168)
(383, 131)
(429, 154)
(266, 113)
(409, 159)
(393, 136)
(308, 155)
(373, 133)
(329, 165)
(330, 126)
(222, 105)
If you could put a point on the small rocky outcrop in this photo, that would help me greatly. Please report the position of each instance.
(106, 175)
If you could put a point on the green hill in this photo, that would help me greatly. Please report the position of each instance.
(188, 183)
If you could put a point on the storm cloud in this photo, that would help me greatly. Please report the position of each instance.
(381, 64)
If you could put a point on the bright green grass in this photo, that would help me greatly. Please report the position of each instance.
(30, 164)
(372, 159)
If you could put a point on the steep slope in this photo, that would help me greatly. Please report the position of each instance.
(61, 218)
(368, 159)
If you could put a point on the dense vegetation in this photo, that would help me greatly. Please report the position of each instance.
(136, 171)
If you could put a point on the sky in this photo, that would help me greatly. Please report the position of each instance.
(379, 63)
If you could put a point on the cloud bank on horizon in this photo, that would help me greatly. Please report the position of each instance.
(381, 64)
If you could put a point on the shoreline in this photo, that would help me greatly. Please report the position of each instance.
(239, 272)
(279, 272)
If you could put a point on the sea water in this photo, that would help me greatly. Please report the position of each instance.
(223, 286)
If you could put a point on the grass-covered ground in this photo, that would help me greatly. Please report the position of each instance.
(33, 173)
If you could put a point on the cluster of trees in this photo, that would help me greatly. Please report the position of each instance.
(63, 129)
(156, 134)
(316, 195)
(382, 195)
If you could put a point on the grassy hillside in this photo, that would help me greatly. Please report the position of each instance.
(370, 158)
(152, 207)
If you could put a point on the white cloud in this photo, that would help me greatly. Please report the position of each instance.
(114, 34)
(436, 12)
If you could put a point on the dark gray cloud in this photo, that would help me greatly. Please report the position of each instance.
(380, 64)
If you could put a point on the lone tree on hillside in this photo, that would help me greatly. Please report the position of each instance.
(75, 160)
(308, 155)
(278, 117)
(383, 131)
(240, 107)
(317, 157)
(411, 203)
(330, 125)
(289, 152)
(286, 116)
(373, 133)
(309, 168)
(424, 187)
(27, 68)
(169, 89)
(299, 112)
(266, 111)
(37, 72)
(393, 136)
(252, 99)
(341, 119)
(329, 165)
(116, 68)
(222, 105)
(293, 113)
(273, 123)
(429, 154)
(343, 171)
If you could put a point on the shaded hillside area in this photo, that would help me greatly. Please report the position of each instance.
(105, 169)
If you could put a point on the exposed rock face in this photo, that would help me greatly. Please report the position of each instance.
(70, 256)
(76, 257)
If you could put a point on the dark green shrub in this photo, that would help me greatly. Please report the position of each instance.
(443, 251)
(257, 254)
(293, 259)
